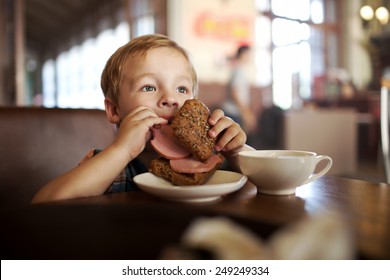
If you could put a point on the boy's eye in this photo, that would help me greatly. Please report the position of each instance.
(182, 90)
(148, 88)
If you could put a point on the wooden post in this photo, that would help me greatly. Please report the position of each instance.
(3, 36)
(20, 53)
(7, 53)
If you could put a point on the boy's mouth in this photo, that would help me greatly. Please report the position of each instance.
(169, 119)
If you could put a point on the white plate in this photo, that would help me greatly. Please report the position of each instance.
(221, 183)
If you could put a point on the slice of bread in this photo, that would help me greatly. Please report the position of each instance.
(161, 168)
(191, 127)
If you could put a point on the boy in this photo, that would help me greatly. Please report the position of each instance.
(144, 82)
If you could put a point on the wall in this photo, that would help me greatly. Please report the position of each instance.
(211, 32)
(210, 53)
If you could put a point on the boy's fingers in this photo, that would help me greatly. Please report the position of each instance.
(223, 124)
(215, 116)
(230, 138)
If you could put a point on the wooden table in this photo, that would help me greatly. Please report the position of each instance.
(139, 226)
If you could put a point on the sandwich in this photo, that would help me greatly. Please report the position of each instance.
(186, 151)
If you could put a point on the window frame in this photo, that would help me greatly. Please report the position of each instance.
(329, 28)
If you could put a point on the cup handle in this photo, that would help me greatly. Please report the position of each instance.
(323, 171)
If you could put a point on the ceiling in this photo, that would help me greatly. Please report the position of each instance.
(51, 24)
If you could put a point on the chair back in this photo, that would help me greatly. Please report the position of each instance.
(39, 144)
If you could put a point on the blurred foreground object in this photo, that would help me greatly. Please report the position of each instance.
(323, 237)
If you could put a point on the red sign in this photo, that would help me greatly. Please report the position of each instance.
(230, 28)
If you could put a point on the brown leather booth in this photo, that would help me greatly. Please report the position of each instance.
(39, 144)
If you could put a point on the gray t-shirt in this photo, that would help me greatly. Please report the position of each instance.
(239, 82)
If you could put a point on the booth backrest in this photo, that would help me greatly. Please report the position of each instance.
(39, 144)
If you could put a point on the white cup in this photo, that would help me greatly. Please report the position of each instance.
(280, 172)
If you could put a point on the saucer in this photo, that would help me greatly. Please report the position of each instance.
(221, 183)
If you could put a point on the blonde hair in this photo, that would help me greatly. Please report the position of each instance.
(113, 71)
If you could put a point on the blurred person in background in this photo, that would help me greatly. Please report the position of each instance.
(237, 102)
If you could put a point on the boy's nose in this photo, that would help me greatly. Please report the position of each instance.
(169, 100)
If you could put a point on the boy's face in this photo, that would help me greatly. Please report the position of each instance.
(160, 80)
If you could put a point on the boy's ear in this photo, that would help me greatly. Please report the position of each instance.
(111, 111)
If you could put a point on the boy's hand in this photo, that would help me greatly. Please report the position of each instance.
(134, 131)
(230, 137)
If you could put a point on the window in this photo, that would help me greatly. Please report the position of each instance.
(294, 44)
(145, 25)
(73, 79)
(49, 84)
